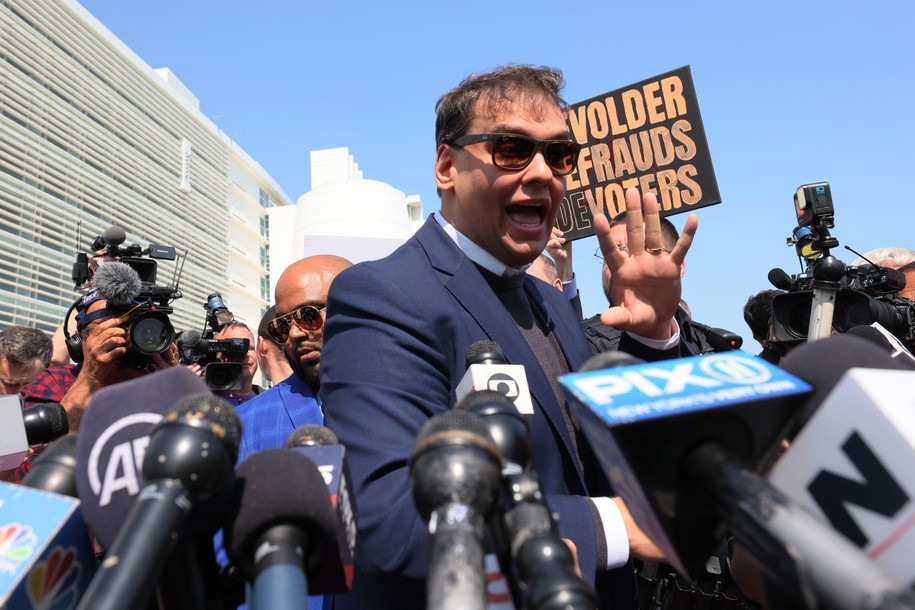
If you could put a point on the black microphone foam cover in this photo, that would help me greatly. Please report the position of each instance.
(310, 435)
(608, 360)
(189, 337)
(780, 279)
(279, 487)
(507, 427)
(55, 468)
(111, 435)
(866, 331)
(822, 363)
(448, 439)
(448, 421)
(484, 352)
(216, 414)
(45, 422)
(114, 235)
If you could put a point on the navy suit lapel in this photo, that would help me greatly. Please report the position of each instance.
(473, 293)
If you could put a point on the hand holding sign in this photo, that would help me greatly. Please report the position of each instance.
(646, 278)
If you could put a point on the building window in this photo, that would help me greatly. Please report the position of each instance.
(265, 199)
(265, 257)
(265, 227)
(265, 290)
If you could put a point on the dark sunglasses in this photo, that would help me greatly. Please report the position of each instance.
(306, 317)
(515, 152)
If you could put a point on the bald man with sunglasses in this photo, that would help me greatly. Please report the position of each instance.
(398, 330)
(301, 296)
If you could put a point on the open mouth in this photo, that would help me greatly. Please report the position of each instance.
(526, 215)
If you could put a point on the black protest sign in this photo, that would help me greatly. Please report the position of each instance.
(648, 135)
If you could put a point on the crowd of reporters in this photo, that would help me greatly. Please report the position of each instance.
(202, 491)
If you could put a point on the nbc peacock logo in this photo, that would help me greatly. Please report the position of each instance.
(54, 583)
(17, 544)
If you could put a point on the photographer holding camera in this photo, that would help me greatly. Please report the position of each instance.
(247, 391)
(99, 349)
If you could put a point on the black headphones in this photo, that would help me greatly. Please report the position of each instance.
(73, 342)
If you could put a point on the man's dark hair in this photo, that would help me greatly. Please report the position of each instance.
(758, 312)
(669, 233)
(22, 345)
(454, 110)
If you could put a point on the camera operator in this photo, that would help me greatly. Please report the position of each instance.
(900, 259)
(240, 330)
(103, 343)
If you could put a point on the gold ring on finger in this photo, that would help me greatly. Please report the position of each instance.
(657, 250)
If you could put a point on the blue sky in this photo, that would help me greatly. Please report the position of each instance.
(790, 93)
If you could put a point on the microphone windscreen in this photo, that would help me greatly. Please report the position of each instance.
(484, 352)
(310, 435)
(823, 362)
(608, 360)
(189, 338)
(206, 409)
(118, 282)
(448, 421)
(113, 436)
(780, 279)
(875, 336)
(114, 236)
(279, 487)
(484, 397)
(45, 422)
(55, 469)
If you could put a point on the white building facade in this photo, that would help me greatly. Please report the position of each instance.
(343, 214)
(91, 135)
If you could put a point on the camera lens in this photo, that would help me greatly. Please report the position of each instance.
(150, 333)
(791, 315)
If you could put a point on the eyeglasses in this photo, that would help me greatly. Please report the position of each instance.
(515, 152)
(306, 317)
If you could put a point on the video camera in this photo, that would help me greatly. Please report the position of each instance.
(146, 306)
(828, 295)
(196, 347)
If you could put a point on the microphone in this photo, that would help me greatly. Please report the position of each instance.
(487, 369)
(45, 422)
(849, 464)
(21, 428)
(46, 559)
(719, 339)
(55, 468)
(780, 279)
(657, 413)
(528, 545)
(191, 452)
(112, 441)
(454, 475)
(112, 236)
(877, 334)
(321, 446)
(712, 443)
(280, 527)
(118, 282)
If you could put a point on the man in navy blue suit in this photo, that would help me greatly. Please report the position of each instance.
(398, 329)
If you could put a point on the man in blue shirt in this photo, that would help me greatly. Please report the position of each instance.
(301, 296)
